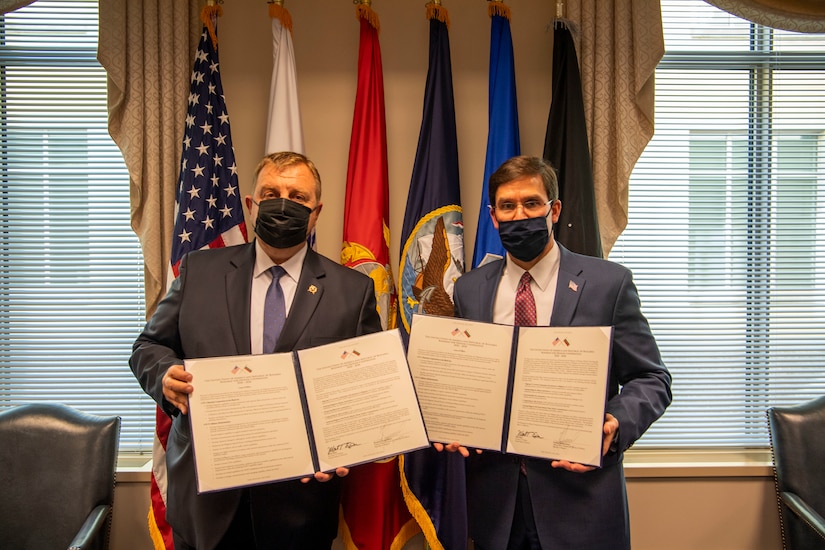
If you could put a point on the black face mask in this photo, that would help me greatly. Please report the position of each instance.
(524, 239)
(282, 223)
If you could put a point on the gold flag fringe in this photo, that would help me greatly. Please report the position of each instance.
(437, 11)
(154, 531)
(363, 11)
(417, 510)
(497, 7)
(405, 533)
(277, 11)
(208, 15)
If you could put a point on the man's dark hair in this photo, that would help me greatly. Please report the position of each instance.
(518, 167)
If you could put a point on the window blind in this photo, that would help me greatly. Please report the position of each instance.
(726, 232)
(71, 271)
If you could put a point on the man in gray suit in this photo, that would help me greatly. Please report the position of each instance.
(216, 308)
(526, 503)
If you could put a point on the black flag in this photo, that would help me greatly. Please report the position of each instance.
(567, 149)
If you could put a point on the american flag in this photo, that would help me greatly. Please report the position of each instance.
(208, 214)
(208, 206)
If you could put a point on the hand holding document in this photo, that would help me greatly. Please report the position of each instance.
(533, 391)
(263, 418)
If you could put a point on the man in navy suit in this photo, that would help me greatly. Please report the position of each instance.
(216, 308)
(526, 503)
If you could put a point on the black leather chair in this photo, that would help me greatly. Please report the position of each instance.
(57, 476)
(798, 447)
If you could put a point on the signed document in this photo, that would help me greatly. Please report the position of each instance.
(361, 400)
(461, 370)
(264, 418)
(247, 421)
(559, 392)
(532, 391)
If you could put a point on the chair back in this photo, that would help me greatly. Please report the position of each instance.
(798, 447)
(56, 465)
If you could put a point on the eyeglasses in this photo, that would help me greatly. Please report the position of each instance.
(531, 208)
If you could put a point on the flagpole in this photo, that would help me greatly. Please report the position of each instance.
(561, 16)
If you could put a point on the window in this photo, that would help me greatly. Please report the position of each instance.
(71, 279)
(726, 236)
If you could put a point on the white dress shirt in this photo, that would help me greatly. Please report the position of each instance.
(545, 276)
(261, 279)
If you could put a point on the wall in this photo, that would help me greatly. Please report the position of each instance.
(681, 508)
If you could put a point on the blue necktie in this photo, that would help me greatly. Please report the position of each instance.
(274, 310)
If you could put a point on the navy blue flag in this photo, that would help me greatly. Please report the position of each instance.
(566, 147)
(502, 133)
(432, 258)
(209, 213)
(432, 238)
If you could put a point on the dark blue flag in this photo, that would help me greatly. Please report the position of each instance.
(566, 147)
(432, 238)
(432, 258)
(502, 133)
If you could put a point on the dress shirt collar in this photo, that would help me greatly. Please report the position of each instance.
(544, 273)
(292, 266)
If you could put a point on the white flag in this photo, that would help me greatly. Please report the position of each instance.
(284, 132)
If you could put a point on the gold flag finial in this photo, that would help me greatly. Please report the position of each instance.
(436, 11)
(209, 16)
(498, 7)
(363, 10)
(278, 11)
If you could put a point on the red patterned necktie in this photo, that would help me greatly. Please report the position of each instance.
(525, 310)
(524, 316)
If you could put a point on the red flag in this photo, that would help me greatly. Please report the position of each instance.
(374, 515)
(208, 214)
(366, 211)
(159, 530)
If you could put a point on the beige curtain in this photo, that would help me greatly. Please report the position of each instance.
(790, 15)
(11, 5)
(147, 48)
(620, 42)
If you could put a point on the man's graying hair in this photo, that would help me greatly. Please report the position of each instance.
(285, 159)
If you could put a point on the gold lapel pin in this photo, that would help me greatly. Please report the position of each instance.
(312, 289)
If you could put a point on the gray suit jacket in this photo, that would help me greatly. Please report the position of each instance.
(206, 314)
(572, 510)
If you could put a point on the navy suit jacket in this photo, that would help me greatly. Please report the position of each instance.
(572, 510)
(206, 313)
